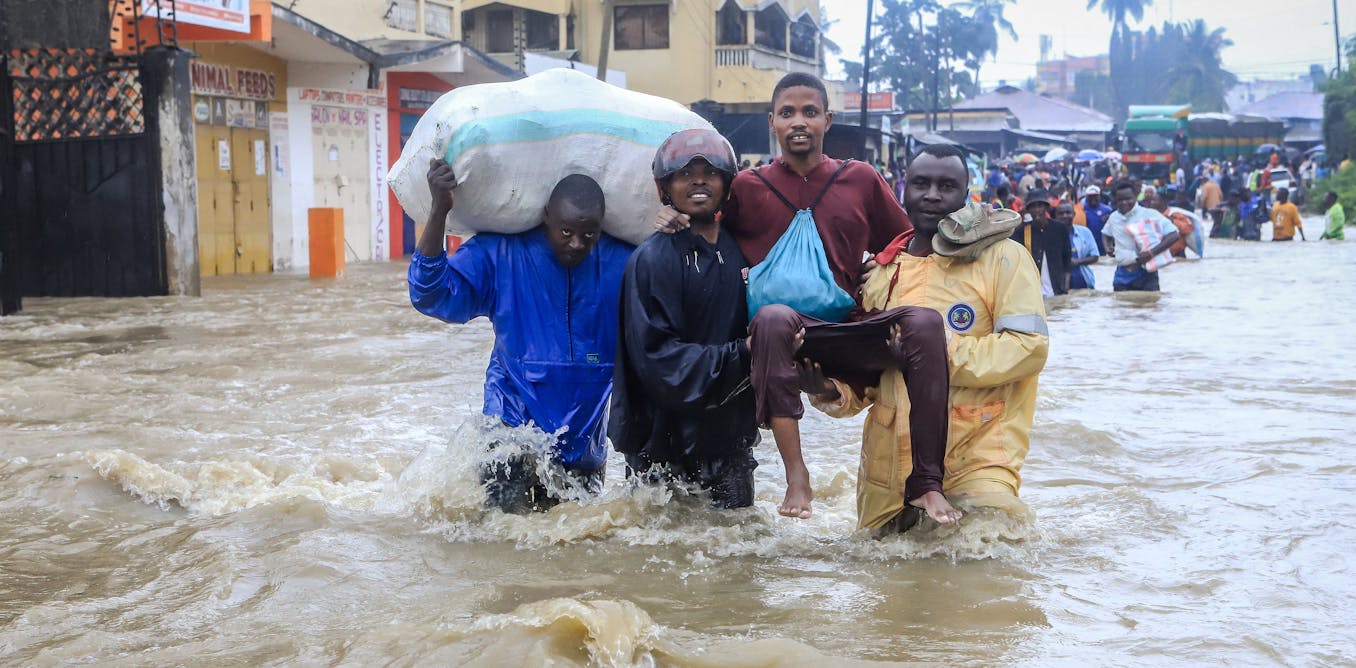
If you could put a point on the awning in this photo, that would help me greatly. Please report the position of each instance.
(299, 39)
(1040, 137)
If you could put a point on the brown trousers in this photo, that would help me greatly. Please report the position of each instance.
(856, 352)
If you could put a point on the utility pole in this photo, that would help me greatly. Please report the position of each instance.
(936, 77)
(866, 73)
(1336, 37)
(605, 41)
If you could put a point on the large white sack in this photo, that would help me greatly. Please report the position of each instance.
(509, 143)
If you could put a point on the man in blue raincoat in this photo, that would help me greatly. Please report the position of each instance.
(552, 294)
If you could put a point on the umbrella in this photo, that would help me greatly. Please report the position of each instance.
(1267, 149)
(1112, 155)
(1316, 149)
(1027, 158)
(1088, 155)
(1005, 162)
(1055, 155)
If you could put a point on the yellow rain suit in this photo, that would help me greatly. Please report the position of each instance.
(993, 308)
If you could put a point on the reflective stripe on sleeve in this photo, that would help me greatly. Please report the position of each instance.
(1025, 324)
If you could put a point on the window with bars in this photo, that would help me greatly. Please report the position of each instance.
(803, 38)
(543, 30)
(640, 27)
(769, 27)
(730, 24)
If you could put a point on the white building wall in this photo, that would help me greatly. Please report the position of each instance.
(330, 164)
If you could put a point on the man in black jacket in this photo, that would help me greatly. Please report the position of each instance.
(682, 408)
(1048, 242)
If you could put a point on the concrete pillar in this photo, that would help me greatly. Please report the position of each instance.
(165, 84)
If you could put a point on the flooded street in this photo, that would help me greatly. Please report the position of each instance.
(278, 473)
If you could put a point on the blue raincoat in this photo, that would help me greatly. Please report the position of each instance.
(555, 330)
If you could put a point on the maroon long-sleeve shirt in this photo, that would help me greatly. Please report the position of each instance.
(858, 214)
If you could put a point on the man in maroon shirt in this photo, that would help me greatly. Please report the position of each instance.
(856, 214)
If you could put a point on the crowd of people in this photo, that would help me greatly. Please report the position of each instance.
(752, 294)
(1075, 212)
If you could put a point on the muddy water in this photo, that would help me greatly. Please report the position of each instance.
(277, 473)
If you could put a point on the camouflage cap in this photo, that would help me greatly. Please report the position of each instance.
(964, 233)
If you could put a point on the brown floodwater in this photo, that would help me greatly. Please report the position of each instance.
(282, 472)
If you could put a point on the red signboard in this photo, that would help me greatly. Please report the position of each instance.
(1148, 157)
(232, 15)
(874, 101)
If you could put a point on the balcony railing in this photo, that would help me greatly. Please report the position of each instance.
(763, 58)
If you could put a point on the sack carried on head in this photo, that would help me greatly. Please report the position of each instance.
(509, 143)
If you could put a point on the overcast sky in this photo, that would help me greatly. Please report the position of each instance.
(1272, 38)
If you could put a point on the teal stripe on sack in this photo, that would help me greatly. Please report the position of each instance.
(547, 125)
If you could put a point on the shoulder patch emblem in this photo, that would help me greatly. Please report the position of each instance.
(961, 317)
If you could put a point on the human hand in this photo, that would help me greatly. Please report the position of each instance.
(813, 381)
(867, 267)
(895, 342)
(1144, 256)
(668, 220)
(441, 183)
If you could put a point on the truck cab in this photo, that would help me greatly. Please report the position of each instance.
(1154, 139)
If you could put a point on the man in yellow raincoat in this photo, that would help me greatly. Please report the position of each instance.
(959, 261)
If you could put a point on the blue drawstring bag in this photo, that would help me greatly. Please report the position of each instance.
(796, 271)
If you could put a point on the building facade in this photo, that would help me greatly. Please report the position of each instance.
(1058, 77)
(314, 117)
(731, 52)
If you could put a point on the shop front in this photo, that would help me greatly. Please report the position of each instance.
(236, 90)
(408, 96)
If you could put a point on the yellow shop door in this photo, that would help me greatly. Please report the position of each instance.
(234, 236)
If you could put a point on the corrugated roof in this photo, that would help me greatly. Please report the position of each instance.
(1040, 113)
(1286, 105)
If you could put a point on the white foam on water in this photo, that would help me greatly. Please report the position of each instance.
(440, 488)
(229, 485)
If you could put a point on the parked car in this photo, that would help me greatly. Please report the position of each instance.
(1282, 178)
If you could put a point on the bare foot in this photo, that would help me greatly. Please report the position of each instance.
(937, 507)
(798, 496)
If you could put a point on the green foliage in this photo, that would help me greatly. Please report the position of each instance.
(1342, 182)
(1093, 89)
(1339, 112)
(1120, 51)
(1178, 63)
(926, 52)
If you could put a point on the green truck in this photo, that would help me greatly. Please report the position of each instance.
(1153, 139)
(1158, 137)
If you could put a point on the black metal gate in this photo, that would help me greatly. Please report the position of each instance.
(81, 194)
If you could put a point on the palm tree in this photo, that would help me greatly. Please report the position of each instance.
(987, 16)
(1197, 74)
(1119, 49)
(1117, 10)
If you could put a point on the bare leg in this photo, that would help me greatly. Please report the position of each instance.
(915, 350)
(775, 334)
(786, 431)
(937, 507)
